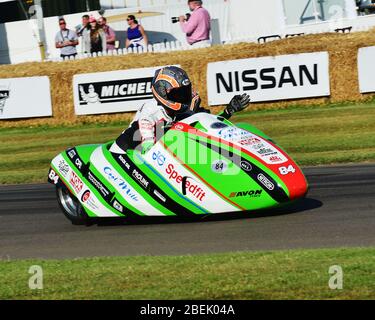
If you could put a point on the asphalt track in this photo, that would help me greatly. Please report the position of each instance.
(338, 211)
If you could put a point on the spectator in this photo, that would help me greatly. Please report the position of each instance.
(109, 33)
(66, 40)
(136, 35)
(84, 32)
(198, 26)
(98, 42)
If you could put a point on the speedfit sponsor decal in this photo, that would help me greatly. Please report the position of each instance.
(191, 187)
(115, 91)
(269, 78)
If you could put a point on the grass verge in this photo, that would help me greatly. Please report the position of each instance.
(297, 274)
(311, 135)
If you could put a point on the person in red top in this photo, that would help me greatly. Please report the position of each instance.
(109, 33)
(198, 26)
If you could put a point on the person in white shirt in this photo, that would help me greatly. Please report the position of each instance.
(66, 40)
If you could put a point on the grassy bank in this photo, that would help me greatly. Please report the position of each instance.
(299, 274)
(312, 136)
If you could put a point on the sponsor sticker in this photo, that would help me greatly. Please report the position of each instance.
(124, 162)
(256, 145)
(76, 182)
(63, 168)
(120, 182)
(275, 159)
(118, 206)
(141, 179)
(250, 193)
(160, 196)
(193, 188)
(219, 166)
(266, 182)
(179, 127)
(246, 166)
(159, 158)
(218, 125)
(86, 196)
(97, 184)
(89, 200)
(72, 153)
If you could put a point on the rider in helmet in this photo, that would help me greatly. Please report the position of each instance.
(174, 100)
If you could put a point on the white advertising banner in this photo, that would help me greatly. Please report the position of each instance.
(113, 91)
(25, 98)
(269, 78)
(366, 69)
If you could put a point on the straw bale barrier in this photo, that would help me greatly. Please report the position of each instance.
(342, 50)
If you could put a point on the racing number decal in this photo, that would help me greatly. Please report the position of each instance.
(286, 170)
(53, 176)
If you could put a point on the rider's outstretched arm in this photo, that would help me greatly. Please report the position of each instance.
(238, 103)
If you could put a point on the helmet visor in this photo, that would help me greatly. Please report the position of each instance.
(181, 95)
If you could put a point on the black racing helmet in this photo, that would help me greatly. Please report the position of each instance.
(172, 89)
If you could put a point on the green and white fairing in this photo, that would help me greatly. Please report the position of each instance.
(202, 165)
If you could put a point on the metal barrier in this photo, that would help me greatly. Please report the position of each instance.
(151, 48)
(344, 30)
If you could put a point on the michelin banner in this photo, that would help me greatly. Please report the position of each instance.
(366, 69)
(25, 98)
(114, 91)
(269, 78)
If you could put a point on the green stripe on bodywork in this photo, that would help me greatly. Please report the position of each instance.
(92, 189)
(143, 193)
(120, 197)
(169, 189)
(256, 162)
(183, 144)
(87, 210)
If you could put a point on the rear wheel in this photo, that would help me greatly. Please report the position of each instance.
(70, 206)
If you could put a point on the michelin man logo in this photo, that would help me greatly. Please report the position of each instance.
(91, 98)
(4, 96)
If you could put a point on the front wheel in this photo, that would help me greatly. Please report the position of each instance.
(70, 206)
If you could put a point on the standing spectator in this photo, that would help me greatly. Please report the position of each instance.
(136, 35)
(66, 40)
(198, 26)
(98, 41)
(84, 32)
(109, 33)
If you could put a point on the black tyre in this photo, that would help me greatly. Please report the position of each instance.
(70, 206)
